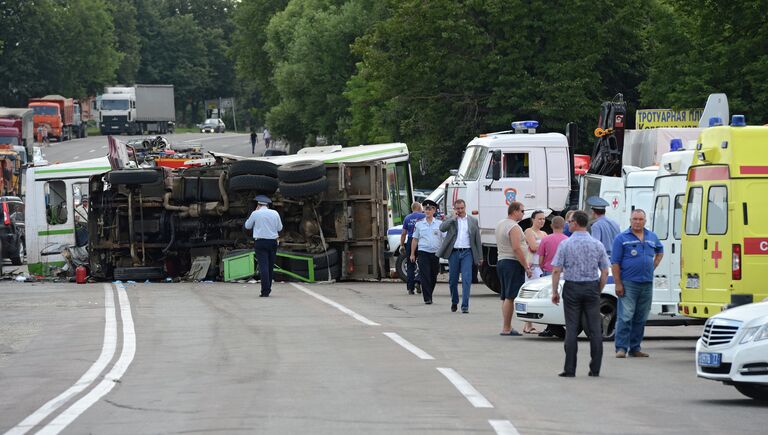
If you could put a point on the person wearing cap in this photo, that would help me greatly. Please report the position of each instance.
(604, 228)
(462, 248)
(265, 224)
(409, 223)
(425, 243)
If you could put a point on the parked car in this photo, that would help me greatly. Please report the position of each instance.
(734, 349)
(213, 125)
(12, 229)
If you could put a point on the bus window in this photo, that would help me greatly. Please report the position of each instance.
(678, 223)
(56, 202)
(400, 193)
(717, 210)
(661, 217)
(693, 212)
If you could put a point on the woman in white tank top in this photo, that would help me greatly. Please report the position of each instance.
(531, 241)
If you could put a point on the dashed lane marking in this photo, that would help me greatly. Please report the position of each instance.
(336, 305)
(465, 388)
(503, 427)
(408, 345)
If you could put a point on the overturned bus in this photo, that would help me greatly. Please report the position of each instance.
(336, 205)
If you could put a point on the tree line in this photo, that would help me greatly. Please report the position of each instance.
(431, 73)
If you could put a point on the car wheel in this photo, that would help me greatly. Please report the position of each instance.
(139, 273)
(17, 260)
(301, 190)
(557, 330)
(489, 277)
(401, 265)
(299, 172)
(133, 176)
(253, 167)
(255, 183)
(320, 261)
(607, 319)
(754, 391)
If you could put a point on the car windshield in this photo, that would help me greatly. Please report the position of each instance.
(45, 110)
(211, 122)
(13, 140)
(114, 104)
(472, 162)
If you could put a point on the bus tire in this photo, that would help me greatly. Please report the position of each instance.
(255, 183)
(301, 190)
(253, 167)
(300, 172)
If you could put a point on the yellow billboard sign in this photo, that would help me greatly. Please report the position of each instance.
(661, 118)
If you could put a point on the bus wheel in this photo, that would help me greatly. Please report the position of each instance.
(489, 277)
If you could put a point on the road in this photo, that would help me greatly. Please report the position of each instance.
(327, 359)
(96, 146)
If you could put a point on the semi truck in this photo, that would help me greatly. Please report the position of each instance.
(22, 120)
(57, 114)
(138, 109)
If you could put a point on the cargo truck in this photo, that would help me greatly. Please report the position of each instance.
(23, 121)
(140, 109)
(57, 113)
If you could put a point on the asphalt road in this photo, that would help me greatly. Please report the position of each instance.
(96, 146)
(214, 357)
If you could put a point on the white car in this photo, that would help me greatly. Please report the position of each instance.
(534, 304)
(734, 349)
(213, 125)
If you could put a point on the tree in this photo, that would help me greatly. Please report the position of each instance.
(123, 14)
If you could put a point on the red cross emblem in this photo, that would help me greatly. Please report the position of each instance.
(717, 254)
(615, 202)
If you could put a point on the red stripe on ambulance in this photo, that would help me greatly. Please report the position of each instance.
(756, 245)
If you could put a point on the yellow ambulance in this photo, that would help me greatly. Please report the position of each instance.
(725, 237)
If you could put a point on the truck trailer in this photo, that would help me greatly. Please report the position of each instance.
(139, 109)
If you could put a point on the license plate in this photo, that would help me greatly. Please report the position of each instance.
(692, 282)
(709, 359)
(521, 307)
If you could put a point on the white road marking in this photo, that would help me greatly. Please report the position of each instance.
(113, 377)
(503, 427)
(213, 138)
(408, 345)
(103, 147)
(465, 388)
(76, 158)
(92, 151)
(336, 305)
(107, 353)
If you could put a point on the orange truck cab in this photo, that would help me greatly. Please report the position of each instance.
(56, 113)
(724, 247)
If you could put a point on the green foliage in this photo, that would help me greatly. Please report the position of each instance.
(128, 39)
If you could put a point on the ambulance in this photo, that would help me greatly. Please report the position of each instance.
(725, 231)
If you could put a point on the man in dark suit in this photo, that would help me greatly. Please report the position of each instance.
(463, 249)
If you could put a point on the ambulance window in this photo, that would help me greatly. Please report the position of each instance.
(661, 217)
(56, 202)
(717, 210)
(693, 211)
(678, 223)
(472, 164)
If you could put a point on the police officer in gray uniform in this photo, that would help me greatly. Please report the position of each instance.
(603, 228)
(266, 225)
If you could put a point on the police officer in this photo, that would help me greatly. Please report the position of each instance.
(603, 228)
(266, 225)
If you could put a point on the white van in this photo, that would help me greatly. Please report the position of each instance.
(56, 204)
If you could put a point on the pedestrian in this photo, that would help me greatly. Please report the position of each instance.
(40, 134)
(636, 253)
(462, 248)
(603, 228)
(427, 238)
(546, 252)
(46, 141)
(511, 266)
(405, 241)
(568, 215)
(253, 141)
(579, 258)
(533, 236)
(267, 137)
(549, 244)
(266, 225)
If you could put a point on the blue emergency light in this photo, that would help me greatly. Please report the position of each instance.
(738, 121)
(520, 125)
(715, 121)
(675, 144)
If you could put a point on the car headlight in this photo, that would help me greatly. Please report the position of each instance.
(546, 292)
(755, 333)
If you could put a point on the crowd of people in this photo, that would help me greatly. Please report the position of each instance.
(578, 249)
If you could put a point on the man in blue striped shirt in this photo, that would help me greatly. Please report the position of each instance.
(580, 257)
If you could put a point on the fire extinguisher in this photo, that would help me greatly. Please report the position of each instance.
(81, 274)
